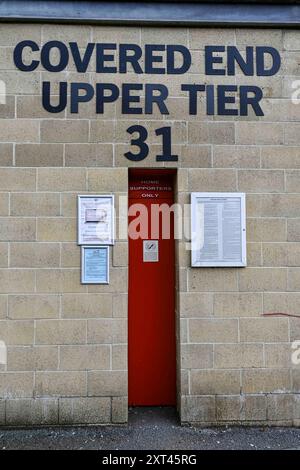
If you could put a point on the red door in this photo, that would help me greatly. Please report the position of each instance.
(151, 332)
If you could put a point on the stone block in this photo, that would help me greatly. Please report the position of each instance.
(215, 382)
(237, 304)
(265, 330)
(107, 331)
(196, 356)
(35, 204)
(60, 332)
(213, 330)
(86, 305)
(32, 358)
(39, 155)
(256, 381)
(60, 384)
(263, 279)
(16, 384)
(238, 356)
(34, 255)
(84, 357)
(31, 412)
(119, 410)
(84, 410)
(107, 383)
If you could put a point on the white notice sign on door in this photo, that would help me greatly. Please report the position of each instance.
(150, 251)
(218, 229)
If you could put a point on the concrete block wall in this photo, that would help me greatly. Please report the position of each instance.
(67, 343)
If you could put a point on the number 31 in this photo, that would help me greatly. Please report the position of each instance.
(140, 142)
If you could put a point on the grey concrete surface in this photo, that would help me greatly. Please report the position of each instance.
(148, 429)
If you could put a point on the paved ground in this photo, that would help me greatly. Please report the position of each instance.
(150, 428)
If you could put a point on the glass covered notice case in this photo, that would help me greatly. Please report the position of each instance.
(218, 229)
(95, 219)
(95, 265)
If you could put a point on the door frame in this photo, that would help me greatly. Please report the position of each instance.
(155, 171)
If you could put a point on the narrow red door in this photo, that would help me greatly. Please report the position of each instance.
(151, 333)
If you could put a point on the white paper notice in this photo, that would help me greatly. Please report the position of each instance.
(95, 220)
(218, 231)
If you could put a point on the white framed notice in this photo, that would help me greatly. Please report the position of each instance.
(95, 219)
(94, 265)
(218, 229)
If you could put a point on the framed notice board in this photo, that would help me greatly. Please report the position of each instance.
(218, 229)
(96, 219)
(94, 265)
